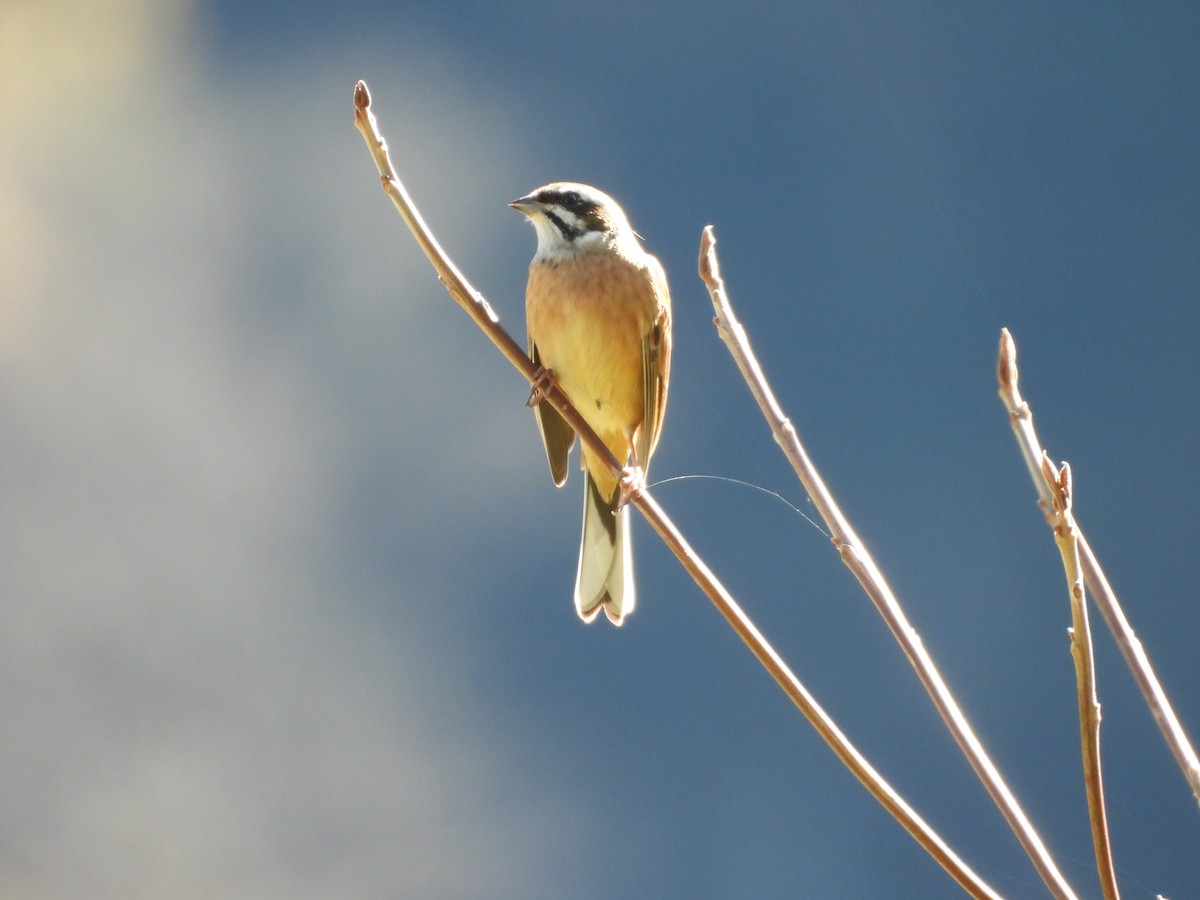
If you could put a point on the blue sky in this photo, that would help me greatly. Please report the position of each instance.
(286, 584)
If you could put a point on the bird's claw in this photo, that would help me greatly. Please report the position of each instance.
(543, 382)
(630, 485)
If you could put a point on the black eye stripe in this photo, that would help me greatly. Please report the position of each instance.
(571, 201)
(588, 215)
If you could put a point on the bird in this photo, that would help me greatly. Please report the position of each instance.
(598, 313)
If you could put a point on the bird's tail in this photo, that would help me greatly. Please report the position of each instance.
(605, 577)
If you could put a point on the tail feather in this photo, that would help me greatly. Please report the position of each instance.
(605, 577)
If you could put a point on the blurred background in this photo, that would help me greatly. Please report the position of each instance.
(285, 588)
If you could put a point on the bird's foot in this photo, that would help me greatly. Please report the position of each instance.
(543, 382)
(630, 485)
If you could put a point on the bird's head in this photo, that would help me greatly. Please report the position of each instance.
(572, 219)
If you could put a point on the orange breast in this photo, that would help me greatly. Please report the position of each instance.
(588, 317)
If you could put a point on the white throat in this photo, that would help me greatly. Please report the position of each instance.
(552, 246)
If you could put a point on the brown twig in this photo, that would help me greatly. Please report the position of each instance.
(1066, 538)
(858, 560)
(481, 312)
(1021, 417)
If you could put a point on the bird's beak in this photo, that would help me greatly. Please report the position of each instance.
(526, 205)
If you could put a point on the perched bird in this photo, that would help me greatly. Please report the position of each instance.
(599, 319)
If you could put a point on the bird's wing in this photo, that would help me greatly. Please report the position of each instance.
(656, 366)
(557, 435)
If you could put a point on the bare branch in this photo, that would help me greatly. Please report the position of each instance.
(482, 313)
(858, 560)
(1021, 417)
(1066, 538)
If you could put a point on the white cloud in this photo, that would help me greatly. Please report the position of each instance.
(196, 699)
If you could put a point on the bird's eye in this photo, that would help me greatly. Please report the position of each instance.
(571, 199)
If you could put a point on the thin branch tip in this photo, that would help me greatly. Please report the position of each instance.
(709, 269)
(1006, 364)
(362, 96)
